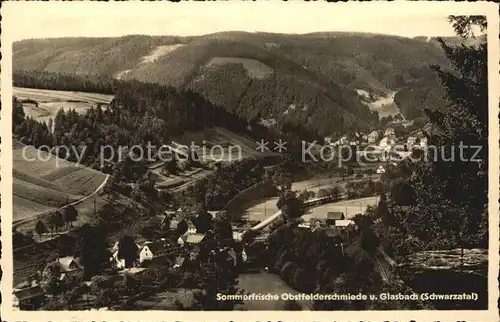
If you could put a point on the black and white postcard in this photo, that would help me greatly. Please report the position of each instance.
(248, 159)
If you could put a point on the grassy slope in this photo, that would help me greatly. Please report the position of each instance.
(220, 136)
(39, 186)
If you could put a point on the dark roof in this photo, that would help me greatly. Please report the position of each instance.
(156, 247)
(335, 215)
(29, 293)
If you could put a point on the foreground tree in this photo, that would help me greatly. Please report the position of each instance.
(450, 195)
(290, 205)
(127, 250)
(40, 228)
(216, 276)
(94, 255)
(55, 222)
(70, 215)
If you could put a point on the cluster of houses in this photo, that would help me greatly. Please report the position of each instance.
(333, 219)
(189, 242)
(333, 225)
(386, 138)
(355, 139)
(173, 253)
(382, 145)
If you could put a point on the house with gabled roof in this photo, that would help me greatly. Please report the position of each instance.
(154, 250)
(62, 268)
(69, 264)
(380, 169)
(190, 239)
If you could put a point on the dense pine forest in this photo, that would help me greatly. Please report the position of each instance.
(64, 82)
(139, 114)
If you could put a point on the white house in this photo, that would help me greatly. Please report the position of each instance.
(153, 250)
(372, 137)
(423, 142)
(380, 169)
(386, 142)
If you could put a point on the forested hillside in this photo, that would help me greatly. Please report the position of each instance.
(424, 93)
(84, 56)
(139, 114)
(302, 80)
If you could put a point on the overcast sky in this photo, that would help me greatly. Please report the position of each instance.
(97, 19)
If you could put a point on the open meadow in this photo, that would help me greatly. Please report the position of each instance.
(40, 186)
(43, 104)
